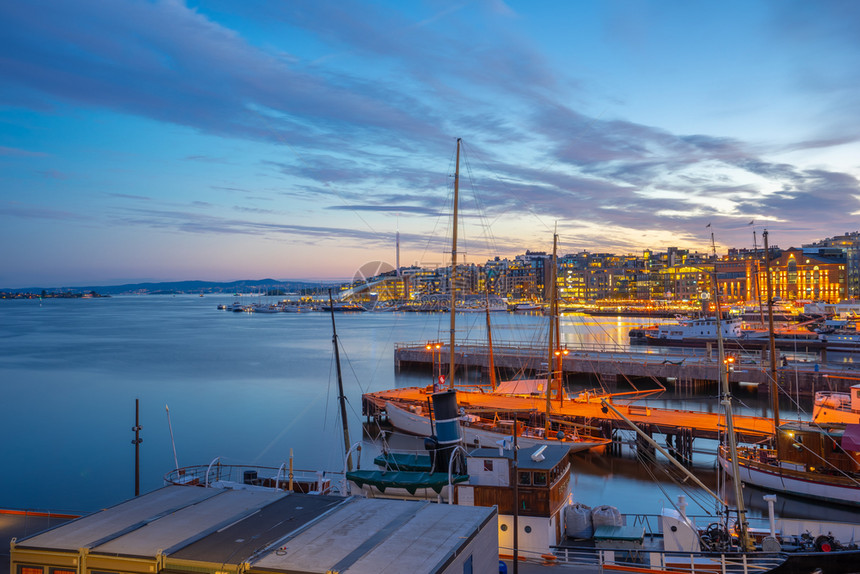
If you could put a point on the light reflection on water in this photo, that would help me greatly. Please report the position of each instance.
(247, 387)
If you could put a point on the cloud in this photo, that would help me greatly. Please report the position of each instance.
(387, 209)
(359, 114)
(15, 210)
(21, 152)
(54, 174)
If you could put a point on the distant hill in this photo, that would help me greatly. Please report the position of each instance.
(272, 286)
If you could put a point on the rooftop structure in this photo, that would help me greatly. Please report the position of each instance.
(183, 529)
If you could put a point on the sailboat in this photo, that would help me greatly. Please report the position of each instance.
(479, 430)
(528, 485)
(819, 460)
(678, 545)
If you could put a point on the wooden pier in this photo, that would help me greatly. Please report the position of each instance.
(680, 427)
(678, 367)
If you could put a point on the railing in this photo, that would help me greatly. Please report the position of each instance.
(610, 350)
(680, 562)
(262, 477)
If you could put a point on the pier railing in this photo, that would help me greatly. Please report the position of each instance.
(611, 351)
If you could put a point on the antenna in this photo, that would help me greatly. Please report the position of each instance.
(170, 427)
(397, 242)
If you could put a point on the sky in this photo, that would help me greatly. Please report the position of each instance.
(223, 140)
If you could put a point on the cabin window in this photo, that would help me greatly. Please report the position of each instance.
(528, 529)
(30, 570)
(503, 527)
(467, 565)
(540, 479)
(63, 571)
(526, 478)
(488, 465)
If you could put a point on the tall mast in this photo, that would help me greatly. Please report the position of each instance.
(550, 363)
(557, 320)
(774, 387)
(727, 403)
(492, 366)
(341, 397)
(451, 366)
(756, 278)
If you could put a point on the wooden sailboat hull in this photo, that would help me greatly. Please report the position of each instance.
(419, 425)
(798, 483)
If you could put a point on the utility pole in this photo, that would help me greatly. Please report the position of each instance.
(341, 397)
(136, 442)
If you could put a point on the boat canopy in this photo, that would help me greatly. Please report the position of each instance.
(523, 387)
(410, 481)
(851, 438)
(404, 461)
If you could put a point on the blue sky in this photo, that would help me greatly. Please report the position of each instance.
(292, 139)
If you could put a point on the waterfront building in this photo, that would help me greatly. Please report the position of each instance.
(849, 246)
(797, 275)
(193, 530)
(674, 275)
(684, 282)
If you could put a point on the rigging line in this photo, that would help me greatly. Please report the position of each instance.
(647, 463)
(448, 207)
(489, 238)
(828, 463)
(325, 183)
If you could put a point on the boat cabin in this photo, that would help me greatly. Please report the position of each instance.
(542, 478)
(804, 447)
(701, 328)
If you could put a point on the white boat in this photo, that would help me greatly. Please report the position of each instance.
(837, 406)
(525, 307)
(295, 307)
(699, 328)
(263, 308)
(812, 461)
(482, 432)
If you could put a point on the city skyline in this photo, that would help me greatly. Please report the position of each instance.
(169, 141)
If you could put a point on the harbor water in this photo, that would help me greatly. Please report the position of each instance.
(252, 388)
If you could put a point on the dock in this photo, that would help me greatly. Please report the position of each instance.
(616, 368)
(684, 368)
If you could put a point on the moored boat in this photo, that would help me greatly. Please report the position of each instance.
(480, 431)
(837, 406)
(809, 460)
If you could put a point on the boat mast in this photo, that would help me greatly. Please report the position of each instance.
(727, 403)
(341, 397)
(491, 365)
(774, 388)
(453, 283)
(550, 363)
(757, 281)
(557, 317)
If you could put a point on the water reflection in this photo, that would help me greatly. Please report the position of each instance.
(251, 389)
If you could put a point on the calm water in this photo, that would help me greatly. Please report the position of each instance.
(245, 387)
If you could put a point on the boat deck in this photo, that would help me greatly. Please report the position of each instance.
(703, 424)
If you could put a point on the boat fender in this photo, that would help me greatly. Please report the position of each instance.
(825, 543)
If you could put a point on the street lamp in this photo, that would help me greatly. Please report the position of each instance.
(433, 348)
(559, 353)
